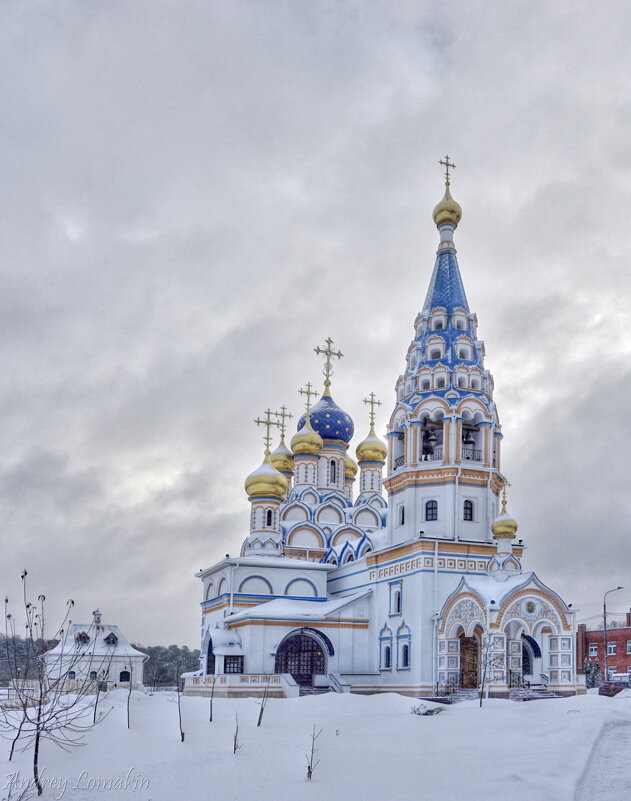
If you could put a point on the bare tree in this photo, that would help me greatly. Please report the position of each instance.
(212, 695)
(131, 677)
(46, 706)
(235, 737)
(178, 688)
(263, 703)
(490, 660)
(310, 757)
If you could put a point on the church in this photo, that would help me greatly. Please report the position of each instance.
(398, 571)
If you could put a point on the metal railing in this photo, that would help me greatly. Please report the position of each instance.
(398, 462)
(515, 679)
(472, 454)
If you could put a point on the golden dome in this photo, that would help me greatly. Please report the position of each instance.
(448, 210)
(266, 480)
(350, 467)
(504, 526)
(282, 458)
(372, 449)
(307, 440)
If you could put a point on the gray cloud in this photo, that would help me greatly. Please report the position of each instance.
(195, 194)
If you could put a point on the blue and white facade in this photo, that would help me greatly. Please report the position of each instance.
(399, 571)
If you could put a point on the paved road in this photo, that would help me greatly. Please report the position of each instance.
(607, 776)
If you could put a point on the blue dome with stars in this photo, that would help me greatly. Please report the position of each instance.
(329, 420)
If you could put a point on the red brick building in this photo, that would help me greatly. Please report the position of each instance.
(590, 644)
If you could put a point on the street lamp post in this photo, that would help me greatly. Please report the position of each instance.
(615, 589)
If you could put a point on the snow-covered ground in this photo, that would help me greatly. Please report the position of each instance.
(370, 748)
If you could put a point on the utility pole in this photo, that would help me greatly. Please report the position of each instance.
(615, 589)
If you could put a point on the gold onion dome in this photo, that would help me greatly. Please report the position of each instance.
(504, 526)
(448, 210)
(266, 480)
(350, 467)
(282, 458)
(307, 440)
(372, 449)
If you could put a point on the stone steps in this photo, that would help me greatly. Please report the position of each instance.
(313, 690)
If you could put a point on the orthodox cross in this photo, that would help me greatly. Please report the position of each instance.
(370, 401)
(267, 422)
(284, 415)
(328, 354)
(309, 392)
(447, 165)
(506, 484)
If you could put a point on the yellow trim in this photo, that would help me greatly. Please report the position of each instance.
(343, 623)
(412, 548)
(531, 591)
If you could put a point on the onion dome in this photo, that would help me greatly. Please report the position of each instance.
(448, 210)
(306, 440)
(266, 480)
(282, 458)
(504, 526)
(350, 467)
(329, 421)
(372, 449)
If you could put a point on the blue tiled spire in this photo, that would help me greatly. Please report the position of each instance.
(446, 288)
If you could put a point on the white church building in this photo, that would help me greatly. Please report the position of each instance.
(95, 652)
(400, 571)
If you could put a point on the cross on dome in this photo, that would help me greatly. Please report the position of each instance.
(328, 354)
(372, 402)
(309, 393)
(447, 165)
(283, 415)
(506, 484)
(267, 422)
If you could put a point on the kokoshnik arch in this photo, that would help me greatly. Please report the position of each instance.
(338, 587)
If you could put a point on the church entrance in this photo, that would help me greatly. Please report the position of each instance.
(469, 662)
(301, 655)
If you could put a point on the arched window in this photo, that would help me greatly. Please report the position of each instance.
(425, 384)
(405, 656)
(268, 518)
(440, 383)
(475, 384)
(93, 674)
(72, 675)
(461, 381)
(387, 657)
(463, 353)
(431, 510)
(125, 675)
(438, 325)
(401, 515)
(435, 353)
(468, 510)
(332, 472)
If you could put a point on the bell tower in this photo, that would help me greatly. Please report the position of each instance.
(443, 469)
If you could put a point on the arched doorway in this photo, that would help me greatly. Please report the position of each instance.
(302, 655)
(469, 661)
(125, 675)
(210, 659)
(530, 658)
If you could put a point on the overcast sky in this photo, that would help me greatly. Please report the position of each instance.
(194, 194)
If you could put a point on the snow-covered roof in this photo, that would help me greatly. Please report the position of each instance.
(287, 609)
(94, 641)
(497, 585)
(265, 561)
